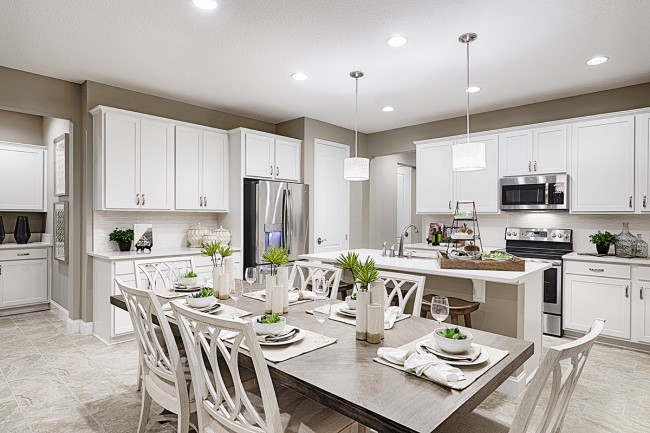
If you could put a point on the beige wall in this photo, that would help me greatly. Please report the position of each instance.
(624, 98)
(20, 128)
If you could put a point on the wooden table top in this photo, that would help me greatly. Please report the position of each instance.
(344, 377)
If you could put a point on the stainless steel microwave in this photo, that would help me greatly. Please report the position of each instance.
(535, 192)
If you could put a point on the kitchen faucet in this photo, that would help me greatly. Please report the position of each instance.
(400, 252)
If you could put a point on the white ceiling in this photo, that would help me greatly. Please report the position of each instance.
(239, 58)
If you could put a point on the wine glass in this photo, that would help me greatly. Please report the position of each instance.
(320, 287)
(439, 308)
(321, 310)
(236, 291)
(251, 276)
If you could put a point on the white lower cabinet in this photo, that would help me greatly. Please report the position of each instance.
(641, 312)
(23, 282)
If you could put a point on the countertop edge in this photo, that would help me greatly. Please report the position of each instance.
(13, 246)
(606, 259)
(111, 256)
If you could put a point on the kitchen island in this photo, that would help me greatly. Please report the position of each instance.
(512, 302)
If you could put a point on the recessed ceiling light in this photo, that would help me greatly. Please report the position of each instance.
(473, 89)
(598, 60)
(396, 41)
(299, 76)
(388, 109)
(205, 4)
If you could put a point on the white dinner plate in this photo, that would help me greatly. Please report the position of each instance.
(187, 288)
(483, 357)
(345, 311)
(299, 336)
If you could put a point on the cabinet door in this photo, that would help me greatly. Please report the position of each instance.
(21, 178)
(156, 164)
(122, 161)
(215, 171)
(641, 313)
(434, 178)
(602, 165)
(481, 186)
(642, 127)
(587, 298)
(23, 282)
(189, 143)
(516, 153)
(259, 156)
(550, 149)
(122, 323)
(287, 160)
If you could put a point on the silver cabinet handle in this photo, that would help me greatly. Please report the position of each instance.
(200, 201)
(320, 241)
(271, 170)
(627, 291)
(0, 269)
(22, 254)
(143, 200)
(596, 269)
(630, 203)
(641, 293)
(277, 170)
(137, 199)
(645, 201)
(205, 200)
(529, 166)
(449, 204)
(535, 166)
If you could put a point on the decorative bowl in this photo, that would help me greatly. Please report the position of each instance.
(268, 328)
(200, 302)
(188, 282)
(453, 346)
(352, 303)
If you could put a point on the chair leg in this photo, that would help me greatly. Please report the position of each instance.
(145, 410)
(184, 421)
(468, 320)
(139, 384)
(454, 320)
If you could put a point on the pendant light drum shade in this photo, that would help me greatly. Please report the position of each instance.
(468, 156)
(356, 169)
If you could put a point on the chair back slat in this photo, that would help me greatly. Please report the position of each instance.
(228, 408)
(402, 287)
(304, 275)
(562, 365)
(161, 273)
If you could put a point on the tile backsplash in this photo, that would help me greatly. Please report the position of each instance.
(493, 226)
(169, 228)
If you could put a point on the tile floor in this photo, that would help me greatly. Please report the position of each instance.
(55, 382)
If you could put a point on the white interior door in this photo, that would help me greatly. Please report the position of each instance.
(331, 197)
(403, 201)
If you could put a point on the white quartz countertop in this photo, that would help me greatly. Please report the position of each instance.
(155, 252)
(430, 266)
(426, 247)
(606, 259)
(13, 246)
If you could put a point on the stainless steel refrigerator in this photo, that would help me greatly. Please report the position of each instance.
(275, 214)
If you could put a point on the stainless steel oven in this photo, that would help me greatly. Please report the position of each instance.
(535, 192)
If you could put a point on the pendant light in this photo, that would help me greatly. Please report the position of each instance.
(356, 169)
(468, 156)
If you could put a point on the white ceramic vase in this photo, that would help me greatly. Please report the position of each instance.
(363, 299)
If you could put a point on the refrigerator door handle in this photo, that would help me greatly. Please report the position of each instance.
(290, 221)
(284, 219)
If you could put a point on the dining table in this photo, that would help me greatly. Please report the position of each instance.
(345, 377)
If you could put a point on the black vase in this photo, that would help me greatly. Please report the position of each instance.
(2, 231)
(602, 249)
(22, 232)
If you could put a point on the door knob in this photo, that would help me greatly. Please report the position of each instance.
(320, 241)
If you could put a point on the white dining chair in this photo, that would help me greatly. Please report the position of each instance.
(304, 274)
(563, 364)
(165, 376)
(266, 409)
(160, 272)
(401, 287)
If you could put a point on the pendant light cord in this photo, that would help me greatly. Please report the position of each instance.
(467, 90)
(356, 115)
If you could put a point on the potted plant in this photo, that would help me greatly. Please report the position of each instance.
(276, 257)
(124, 238)
(277, 301)
(202, 298)
(188, 279)
(602, 241)
(364, 275)
(213, 251)
(347, 262)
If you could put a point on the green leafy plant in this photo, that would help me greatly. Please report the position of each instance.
(189, 274)
(119, 236)
(269, 318)
(225, 251)
(347, 261)
(365, 273)
(452, 334)
(353, 296)
(275, 257)
(203, 293)
(605, 239)
(212, 251)
(495, 255)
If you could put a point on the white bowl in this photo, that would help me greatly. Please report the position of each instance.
(352, 303)
(453, 346)
(188, 282)
(268, 328)
(200, 302)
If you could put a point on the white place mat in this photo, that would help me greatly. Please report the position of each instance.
(171, 294)
(224, 310)
(259, 295)
(471, 372)
(336, 316)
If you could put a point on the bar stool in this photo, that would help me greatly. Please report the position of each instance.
(457, 307)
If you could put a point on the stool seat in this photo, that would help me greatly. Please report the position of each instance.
(457, 307)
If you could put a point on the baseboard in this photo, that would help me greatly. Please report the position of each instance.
(514, 385)
(72, 326)
(59, 311)
(85, 328)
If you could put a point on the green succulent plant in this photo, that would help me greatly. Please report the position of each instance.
(203, 293)
(347, 261)
(189, 274)
(365, 273)
(212, 250)
(276, 257)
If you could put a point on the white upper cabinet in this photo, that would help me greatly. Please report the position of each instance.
(434, 178)
(602, 165)
(481, 186)
(133, 161)
(201, 170)
(22, 185)
(642, 122)
(534, 151)
(272, 157)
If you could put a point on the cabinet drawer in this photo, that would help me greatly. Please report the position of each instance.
(25, 254)
(124, 268)
(644, 273)
(610, 270)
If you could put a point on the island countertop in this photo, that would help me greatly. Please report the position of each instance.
(430, 266)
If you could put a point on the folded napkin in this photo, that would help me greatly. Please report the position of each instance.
(299, 295)
(422, 364)
(390, 316)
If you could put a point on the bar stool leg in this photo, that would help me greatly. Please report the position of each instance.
(468, 320)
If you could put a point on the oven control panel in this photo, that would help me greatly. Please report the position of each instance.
(539, 234)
